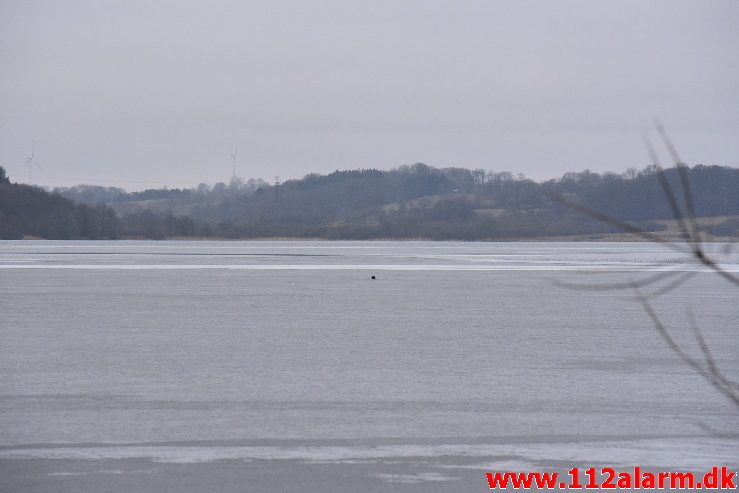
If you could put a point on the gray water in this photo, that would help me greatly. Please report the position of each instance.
(197, 350)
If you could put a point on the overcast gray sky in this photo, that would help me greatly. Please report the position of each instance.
(151, 93)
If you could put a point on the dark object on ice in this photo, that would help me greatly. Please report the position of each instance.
(373, 277)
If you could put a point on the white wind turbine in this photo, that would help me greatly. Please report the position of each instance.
(233, 159)
(31, 161)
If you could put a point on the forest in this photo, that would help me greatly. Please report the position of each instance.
(411, 201)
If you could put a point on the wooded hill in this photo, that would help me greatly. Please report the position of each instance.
(416, 201)
(31, 211)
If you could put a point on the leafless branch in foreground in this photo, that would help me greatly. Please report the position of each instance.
(684, 215)
(706, 369)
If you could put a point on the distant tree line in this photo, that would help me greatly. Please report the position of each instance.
(31, 211)
(412, 201)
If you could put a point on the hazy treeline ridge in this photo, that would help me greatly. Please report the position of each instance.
(32, 211)
(416, 201)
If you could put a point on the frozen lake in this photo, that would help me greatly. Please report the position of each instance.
(199, 351)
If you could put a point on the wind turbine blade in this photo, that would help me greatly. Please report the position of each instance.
(37, 164)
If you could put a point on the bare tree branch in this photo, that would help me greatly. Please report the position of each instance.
(615, 222)
(712, 367)
(690, 233)
(662, 179)
(676, 283)
(702, 343)
(716, 379)
(620, 285)
(716, 268)
(684, 179)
